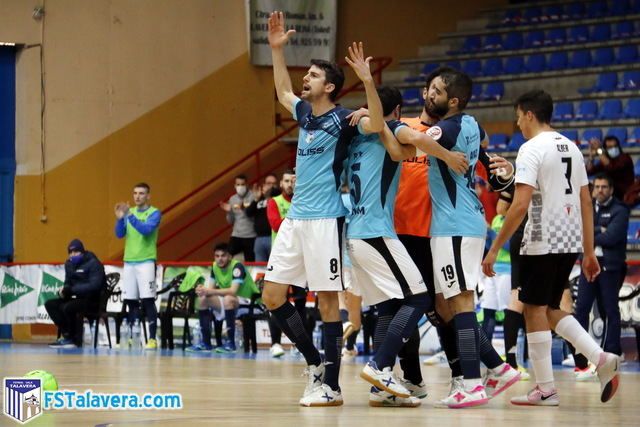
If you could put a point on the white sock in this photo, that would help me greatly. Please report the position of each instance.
(540, 357)
(571, 330)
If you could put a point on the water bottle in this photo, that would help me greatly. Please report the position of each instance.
(239, 341)
(87, 336)
(520, 348)
(135, 334)
(196, 335)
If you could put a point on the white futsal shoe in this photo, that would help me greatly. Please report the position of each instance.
(416, 390)
(322, 396)
(380, 398)
(384, 380)
(315, 378)
(498, 380)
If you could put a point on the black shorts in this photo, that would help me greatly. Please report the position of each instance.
(419, 249)
(545, 277)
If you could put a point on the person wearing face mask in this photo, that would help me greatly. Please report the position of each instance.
(244, 234)
(83, 282)
(612, 161)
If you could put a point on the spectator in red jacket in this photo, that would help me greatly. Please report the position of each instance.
(611, 160)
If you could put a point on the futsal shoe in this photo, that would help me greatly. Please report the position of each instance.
(457, 384)
(227, 349)
(586, 374)
(349, 355)
(152, 344)
(416, 390)
(277, 350)
(315, 378)
(524, 374)
(322, 396)
(466, 399)
(379, 398)
(537, 397)
(63, 343)
(607, 370)
(199, 348)
(498, 380)
(437, 359)
(383, 379)
(569, 361)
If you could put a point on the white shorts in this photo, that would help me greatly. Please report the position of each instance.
(456, 264)
(308, 251)
(497, 291)
(139, 280)
(383, 270)
(350, 281)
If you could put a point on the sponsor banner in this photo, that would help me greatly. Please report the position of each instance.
(315, 24)
(19, 286)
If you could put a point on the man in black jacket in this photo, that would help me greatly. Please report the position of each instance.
(611, 219)
(83, 282)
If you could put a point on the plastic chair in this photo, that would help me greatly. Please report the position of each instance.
(562, 112)
(575, 10)
(531, 15)
(632, 109)
(570, 134)
(587, 110)
(411, 97)
(578, 34)
(472, 67)
(494, 91)
(630, 80)
(471, 44)
(611, 109)
(603, 56)
(517, 139)
(597, 9)
(558, 61)
(555, 36)
(535, 63)
(498, 142)
(600, 33)
(580, 59)
(534, 39)
(627, 54)
(492, 42)
(513, 41)
(623, 30)
(634, 138)
(590, 134)
(620, 133)
(514, 65)
(492, 67)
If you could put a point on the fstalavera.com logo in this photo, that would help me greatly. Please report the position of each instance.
(22, 399)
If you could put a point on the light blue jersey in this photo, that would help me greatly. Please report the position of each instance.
(373, 183)
(323, 145)
(457, 211)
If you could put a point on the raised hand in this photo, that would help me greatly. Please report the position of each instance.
(358, 62)
(457, 162)
(278, 37)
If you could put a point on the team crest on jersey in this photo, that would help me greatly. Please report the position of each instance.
(309, 137)
(435, 132)
(568, 209)
(237, 272)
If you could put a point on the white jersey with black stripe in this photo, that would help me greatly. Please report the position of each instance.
(554, 166)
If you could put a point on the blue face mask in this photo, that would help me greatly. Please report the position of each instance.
(613, 152)
(76, 259)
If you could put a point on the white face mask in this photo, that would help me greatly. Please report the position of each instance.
(613, 152)
(241, 190)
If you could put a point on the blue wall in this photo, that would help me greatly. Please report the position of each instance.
(7, 149)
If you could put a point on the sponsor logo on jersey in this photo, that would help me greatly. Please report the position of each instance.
(303, 152)
(435, 132)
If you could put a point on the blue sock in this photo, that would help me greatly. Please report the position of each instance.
(332, 352)
(401, 328)
(468, 343)
(134, 311)
(217, 324)
(151, 312)
(205, 325)
(409, 356)
(230, 318)
(488, 354)
(448, 340)
(291, 324)
(344, 315)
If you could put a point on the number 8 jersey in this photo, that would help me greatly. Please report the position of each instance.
(554, 166)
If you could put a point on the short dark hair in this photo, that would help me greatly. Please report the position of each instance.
(458, 85)
(604, 176)
(612, 138)
(538, 102)
(435, 73)
(333, 74)
(390, 97)
(143, 185)
(271, 174)
(288, 172)
(221, 246)
(241, 176)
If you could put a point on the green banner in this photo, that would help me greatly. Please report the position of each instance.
(49, 288)
(11, 290)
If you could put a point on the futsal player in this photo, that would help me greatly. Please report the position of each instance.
(552, 185)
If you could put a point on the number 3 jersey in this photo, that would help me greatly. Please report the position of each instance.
(457, 211)
(554, 166)
(373, 183)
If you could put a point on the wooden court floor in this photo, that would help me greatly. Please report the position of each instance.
(234, 390)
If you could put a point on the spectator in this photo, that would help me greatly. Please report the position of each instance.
(83, 282)
(243, 235)
(139, 226)
(611, 219)
(232, 284)
(612, 161)
(257, 210)
(278, 206)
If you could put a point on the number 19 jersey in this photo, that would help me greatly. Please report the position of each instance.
(554, 166)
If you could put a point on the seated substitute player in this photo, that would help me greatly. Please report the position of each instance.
(308, 246)
(232, 285)
(382, 268)
(552, 185)
(458, 231)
